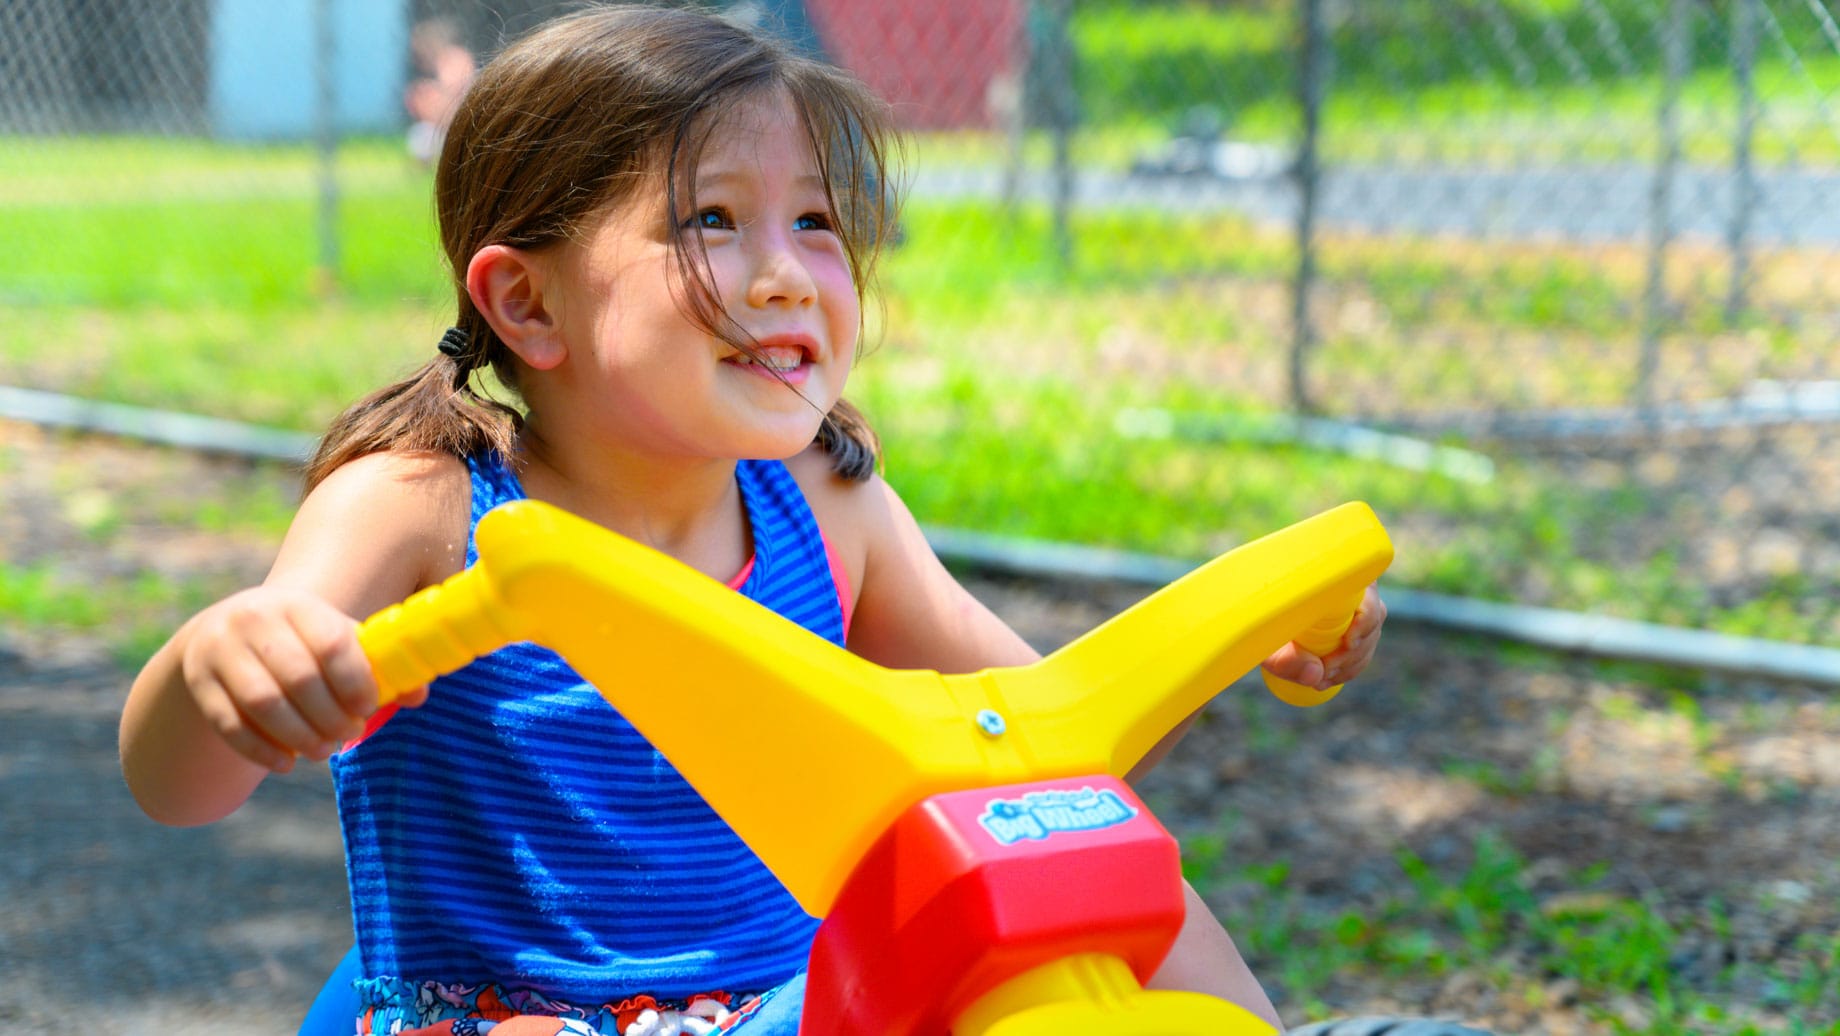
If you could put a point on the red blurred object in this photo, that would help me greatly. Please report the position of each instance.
(968, 889)
(935, 62)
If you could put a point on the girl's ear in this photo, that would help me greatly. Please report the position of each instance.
(506, 285)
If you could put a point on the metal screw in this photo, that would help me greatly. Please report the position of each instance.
(991, 722)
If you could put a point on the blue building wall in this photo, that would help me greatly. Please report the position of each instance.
(263, 84)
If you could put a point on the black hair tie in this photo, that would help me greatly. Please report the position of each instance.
(453, 342)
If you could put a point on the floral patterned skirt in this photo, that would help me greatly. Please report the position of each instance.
(398, 1008)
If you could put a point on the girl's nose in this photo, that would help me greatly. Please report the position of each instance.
(779, 276)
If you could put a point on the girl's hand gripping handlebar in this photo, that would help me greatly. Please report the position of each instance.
(1321, 637)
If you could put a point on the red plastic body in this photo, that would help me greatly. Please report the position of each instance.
(968, 889)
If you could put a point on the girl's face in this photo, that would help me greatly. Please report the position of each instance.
(662, 383)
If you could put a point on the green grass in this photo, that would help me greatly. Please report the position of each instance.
(292, 366)
(130, 590)
(213, 300)
(1458, 908)
(1001, 369)
(243, 234)
(134, 614)
(1484, 918)
(1548, 80)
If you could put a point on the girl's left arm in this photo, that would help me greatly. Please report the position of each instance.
(910, 613)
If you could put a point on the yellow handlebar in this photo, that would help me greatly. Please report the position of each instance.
(668, 647)
(437, 631)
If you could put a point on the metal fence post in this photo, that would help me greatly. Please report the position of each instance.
(326, 135)
(1054, 46)
(1312, 67)
(1676, 48)
(1744, 174)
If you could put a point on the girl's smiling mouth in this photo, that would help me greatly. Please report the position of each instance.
(783, 358)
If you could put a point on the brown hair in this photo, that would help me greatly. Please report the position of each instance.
(573, 119)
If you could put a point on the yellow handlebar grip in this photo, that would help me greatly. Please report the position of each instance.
(435, 632)
(1322, 637)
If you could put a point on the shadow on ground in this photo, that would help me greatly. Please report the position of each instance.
(228, 928)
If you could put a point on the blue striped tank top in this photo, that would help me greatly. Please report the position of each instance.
(517, 830)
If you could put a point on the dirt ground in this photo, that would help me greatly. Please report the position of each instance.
(1717, 809)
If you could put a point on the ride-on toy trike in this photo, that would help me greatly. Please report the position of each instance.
(980, 867)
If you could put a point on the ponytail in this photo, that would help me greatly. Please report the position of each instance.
(434, 410)
(852, 444)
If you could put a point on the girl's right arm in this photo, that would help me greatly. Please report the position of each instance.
(275, 672)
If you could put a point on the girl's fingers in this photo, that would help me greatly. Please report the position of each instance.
(269, 676)
(219, 709)
(280, 675)
(1348, 660)
(269, 709)
(1360, 642)
(1368, 619)
(1293, 663)
(276, 687)
(332, 640)
(302, 679)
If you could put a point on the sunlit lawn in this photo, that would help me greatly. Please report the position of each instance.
(1003, 379)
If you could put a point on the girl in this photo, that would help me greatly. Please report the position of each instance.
(658, 224)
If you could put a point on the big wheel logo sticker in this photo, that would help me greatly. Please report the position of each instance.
(1040, 814)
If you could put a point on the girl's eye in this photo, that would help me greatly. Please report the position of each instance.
(813, 221)
(711, 219)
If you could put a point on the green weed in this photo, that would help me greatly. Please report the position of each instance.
(1616, 951)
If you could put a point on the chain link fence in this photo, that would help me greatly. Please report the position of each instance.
(1550, 282)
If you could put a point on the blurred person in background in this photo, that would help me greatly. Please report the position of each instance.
(444, 68)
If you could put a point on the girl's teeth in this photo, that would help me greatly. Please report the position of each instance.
(778, 365)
